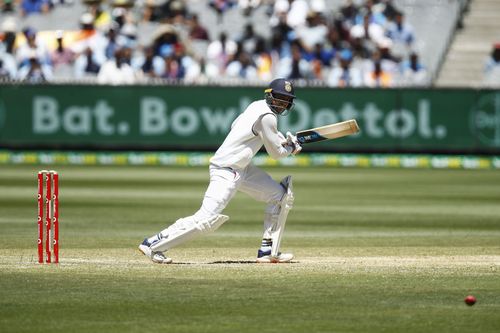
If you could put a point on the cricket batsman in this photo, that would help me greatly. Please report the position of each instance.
(231, 170)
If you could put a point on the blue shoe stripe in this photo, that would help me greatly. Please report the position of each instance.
(261, 253)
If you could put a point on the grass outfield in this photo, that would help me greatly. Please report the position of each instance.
(377, 250)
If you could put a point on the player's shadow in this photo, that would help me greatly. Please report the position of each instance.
(232, 262)
(247, 262)
(235, 262)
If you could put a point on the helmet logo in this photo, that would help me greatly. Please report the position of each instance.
(288, 86)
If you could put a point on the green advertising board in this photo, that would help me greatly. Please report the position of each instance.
(182, 117)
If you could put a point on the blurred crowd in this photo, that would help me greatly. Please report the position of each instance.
(362, 43)
(492, 68)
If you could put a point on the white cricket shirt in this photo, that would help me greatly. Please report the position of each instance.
(254, 127)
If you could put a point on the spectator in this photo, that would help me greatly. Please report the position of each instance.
(153, 66)
(221, 51)
(196, 30)
(126, 55)
(342, 26)
(492, 68)
(177, 63)
(112, 42)
(128, 36)
(389, 10)
(87, 64)
(345, 75)
(280, 46)
(318, 7)
(62, 58)
(375, 14)
(242, 67)
(279, 13)
(157, 11)
(320, 59)
(295, 66)
(413, 72)
(34, 7)
(313, 32)
(8, 35)
(8, 66)
(248, 6)
(349, 12)
(280, 27)
(322, 54)
(249, 39)
(334, 40)
(361, 48)
(32, 47)
(279, 50)
(389, 62)
(377, 77)
(119, 17)
(263, 61)
(400, 31)
(193, 69)
(164, 11)
(34, 71)
(101, 17)
(208, 70)
(7, 6)
(297, 13)
(369, 31)
(89, 37)
(220, 7)
(61, 55)
(178, 12)
(164, 40)
(401, 34)
(173, 68)
(117, 70)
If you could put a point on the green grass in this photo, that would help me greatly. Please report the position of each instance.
(377, 250)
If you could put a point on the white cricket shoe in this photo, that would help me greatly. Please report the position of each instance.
(265, 257)
(156, 257)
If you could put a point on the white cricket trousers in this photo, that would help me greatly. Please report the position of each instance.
(225, 182)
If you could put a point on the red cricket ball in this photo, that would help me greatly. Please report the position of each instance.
(470, 300)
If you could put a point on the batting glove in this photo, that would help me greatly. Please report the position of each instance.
(293, 142)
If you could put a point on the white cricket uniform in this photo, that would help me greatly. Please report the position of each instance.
(231, 170)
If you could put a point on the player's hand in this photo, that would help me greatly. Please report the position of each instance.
(293, 142)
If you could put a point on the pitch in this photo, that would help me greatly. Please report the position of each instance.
(377, 250)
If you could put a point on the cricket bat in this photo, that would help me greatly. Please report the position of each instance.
(332, 131)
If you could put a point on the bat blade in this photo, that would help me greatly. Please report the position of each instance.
(328, 132)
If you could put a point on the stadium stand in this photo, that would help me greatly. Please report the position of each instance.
(468, 62)
(435, 22)
(374, 43)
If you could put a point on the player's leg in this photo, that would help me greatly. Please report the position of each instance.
(260, 186)
(223, 186)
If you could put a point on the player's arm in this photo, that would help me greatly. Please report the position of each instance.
(275, 143)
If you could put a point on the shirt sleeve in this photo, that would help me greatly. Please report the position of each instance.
(267, 129)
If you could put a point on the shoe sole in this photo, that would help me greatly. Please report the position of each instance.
(273, 261)
(143, 251)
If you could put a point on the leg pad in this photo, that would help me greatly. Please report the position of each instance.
(285, 205)
(185, 229)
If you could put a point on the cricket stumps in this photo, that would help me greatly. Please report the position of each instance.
(48, 211)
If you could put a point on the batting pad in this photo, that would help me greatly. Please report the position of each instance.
(285, 205)
(185, 229)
